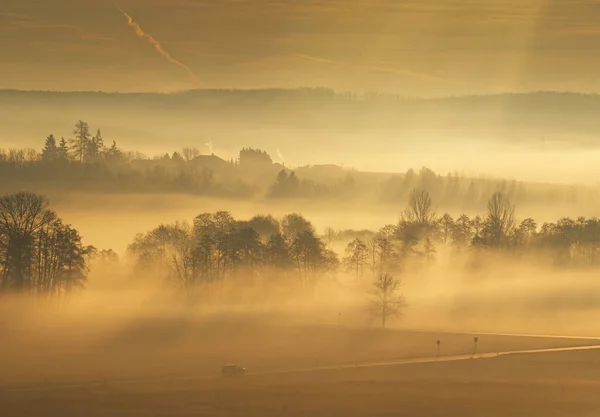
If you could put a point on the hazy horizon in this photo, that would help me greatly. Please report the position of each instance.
(513, 136)
(285, 208)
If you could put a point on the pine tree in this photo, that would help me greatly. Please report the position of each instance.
(62, 152)
(114, 153)
(80, 144)
(96, 146)
(293, 183)
(50, 151)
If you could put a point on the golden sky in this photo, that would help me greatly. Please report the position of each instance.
(412, 47)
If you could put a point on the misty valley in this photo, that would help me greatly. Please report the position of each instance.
(161, 270)
(277, 208)
(452, 239)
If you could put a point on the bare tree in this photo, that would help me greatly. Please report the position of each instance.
(372, 254)
(420, 208)
(311, 257)
(190, 153)
(386, 302)
(500, 219)
(357, 255)
(385, 250)
(167, 250)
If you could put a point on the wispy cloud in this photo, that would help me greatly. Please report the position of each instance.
(157, 46)
(403, 72)
(316, 59)
(96, 37)
(23, 21)
(20, 21)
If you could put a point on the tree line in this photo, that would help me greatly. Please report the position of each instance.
(85, 161)
(216, 248)
(41, 254)
(217, 257)
(413, 240)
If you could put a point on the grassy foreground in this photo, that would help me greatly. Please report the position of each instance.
(549, 384)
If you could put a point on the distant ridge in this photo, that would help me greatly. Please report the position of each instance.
(311, 91)
(298, 121)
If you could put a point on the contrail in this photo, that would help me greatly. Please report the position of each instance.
(150, 39)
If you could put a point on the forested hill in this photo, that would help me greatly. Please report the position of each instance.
(299, 102)
(273, 116)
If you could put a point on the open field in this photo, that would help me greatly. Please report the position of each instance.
(549, 384)
(170, 348)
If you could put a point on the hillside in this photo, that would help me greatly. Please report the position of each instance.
(227, 114)
(516, 136)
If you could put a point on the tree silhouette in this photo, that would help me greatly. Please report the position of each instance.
(95, 147)
(190, 154)
(295, 224)
(417, 222)
(429, 250)
(386, 302)
(265, 226)
(113, 154)
(50, 151)
(63, 150)
(220, 249)
(463, 231)
(38, 253)
(420, 209)
(81, 142)
(447, 229)
(311, 257)
(499, 222)
(357, 255)
(254, 158)
(166, 250)
(278, 253)
(385, 250)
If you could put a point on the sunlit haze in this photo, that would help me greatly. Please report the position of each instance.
(299, 208)
(410, 47)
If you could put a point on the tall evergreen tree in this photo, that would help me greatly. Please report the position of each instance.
(113, 153)
(96, 146)
(50, 151)
(63, 150)
(81, 142)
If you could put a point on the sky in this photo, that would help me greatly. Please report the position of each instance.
(409, 47)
